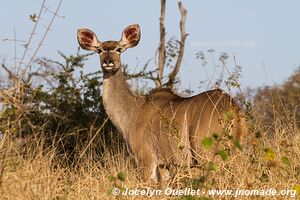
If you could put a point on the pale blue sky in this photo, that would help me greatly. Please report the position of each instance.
(263, 34)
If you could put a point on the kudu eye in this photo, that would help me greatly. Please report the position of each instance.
(99, 50)
(119, 50)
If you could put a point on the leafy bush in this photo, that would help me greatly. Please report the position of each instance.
(67, 109)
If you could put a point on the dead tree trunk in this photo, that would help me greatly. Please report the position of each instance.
(162, 47)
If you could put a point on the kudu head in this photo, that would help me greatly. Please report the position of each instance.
(109, 51)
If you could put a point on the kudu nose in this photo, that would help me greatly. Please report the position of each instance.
(107, 62)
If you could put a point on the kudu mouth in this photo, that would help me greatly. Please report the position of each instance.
(109, 63)
(110, 68)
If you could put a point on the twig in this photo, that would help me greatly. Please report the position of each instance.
(229, 73)
(15, 49)
(11, 75)
(42, 40)
(32, 74)
(175, 71)
(50, 11)
(149, 75)
(3, 164)
(32, 33)
(13, 40)
(90, 142)
(146, 75)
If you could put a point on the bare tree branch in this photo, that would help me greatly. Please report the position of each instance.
(47, 9)
(37, 74)
(32, 33)
(162, 46)
(43, 38)
(175, 71)
(149, 75)
(11, 75)
(15, 49)
(142, 74)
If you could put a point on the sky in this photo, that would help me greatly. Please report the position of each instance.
(262, 34)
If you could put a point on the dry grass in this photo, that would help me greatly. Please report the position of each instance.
(28, 172)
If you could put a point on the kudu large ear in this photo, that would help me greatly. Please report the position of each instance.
(131, 36)
(87, 39)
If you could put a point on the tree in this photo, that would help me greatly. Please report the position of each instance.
(280, 103)
(167, 52)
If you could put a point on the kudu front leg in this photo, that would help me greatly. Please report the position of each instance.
(155, 173)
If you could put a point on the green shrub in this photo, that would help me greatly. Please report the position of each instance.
(69, 112)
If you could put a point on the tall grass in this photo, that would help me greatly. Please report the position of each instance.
(58, 144)
(29, 171)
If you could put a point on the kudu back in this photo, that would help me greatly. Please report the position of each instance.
(160, 128)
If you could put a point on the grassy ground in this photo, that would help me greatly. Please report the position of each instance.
(31, 172)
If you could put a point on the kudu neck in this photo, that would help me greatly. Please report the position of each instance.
(120, 103)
